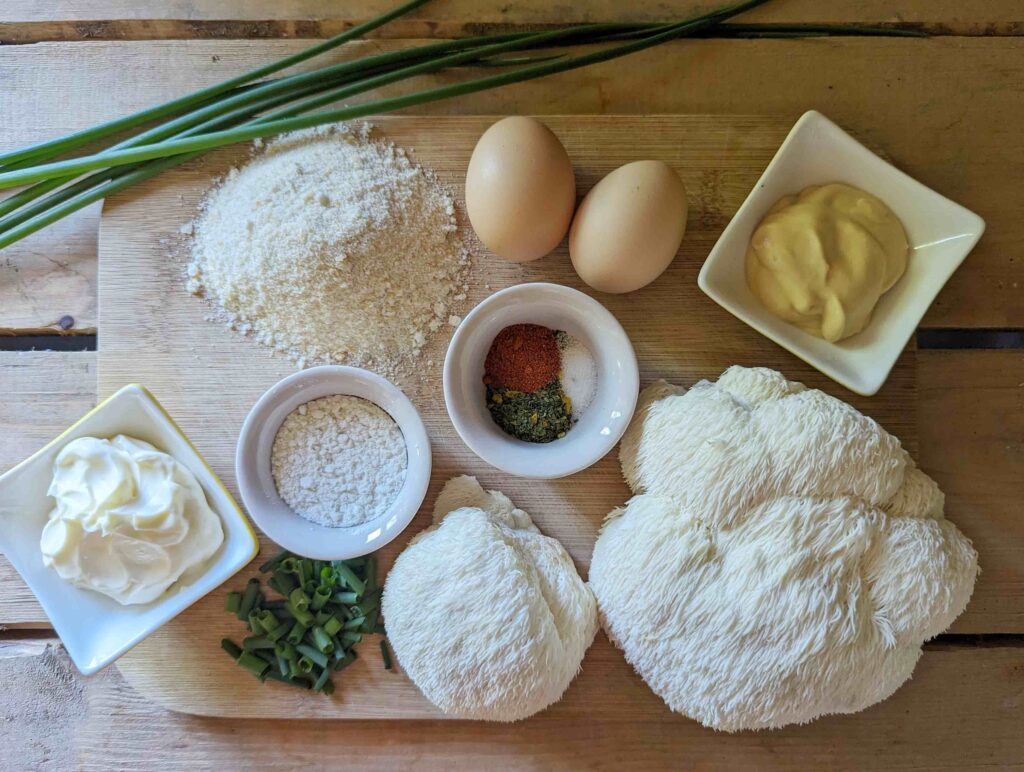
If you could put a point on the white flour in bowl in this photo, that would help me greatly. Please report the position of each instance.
(332, 248)
(339, 461)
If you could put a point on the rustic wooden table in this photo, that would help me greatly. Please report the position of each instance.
(947, 109)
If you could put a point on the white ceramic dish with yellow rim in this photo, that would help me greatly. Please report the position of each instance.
(941, 234)
(96, 629)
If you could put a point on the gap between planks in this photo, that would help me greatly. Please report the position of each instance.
(29, 21)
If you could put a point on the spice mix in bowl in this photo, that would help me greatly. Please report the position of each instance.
(540, 380)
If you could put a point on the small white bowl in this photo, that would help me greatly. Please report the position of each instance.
(96, 629)
(558, 308)
(941, 234)
(256, 481)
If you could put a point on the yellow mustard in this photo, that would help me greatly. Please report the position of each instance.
(822, 259)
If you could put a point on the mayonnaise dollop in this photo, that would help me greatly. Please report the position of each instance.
(822, 259)
(129, 519)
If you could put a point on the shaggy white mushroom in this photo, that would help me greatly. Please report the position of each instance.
(486, 614)
(783, 558)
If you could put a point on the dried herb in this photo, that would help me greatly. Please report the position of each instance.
(540, 416)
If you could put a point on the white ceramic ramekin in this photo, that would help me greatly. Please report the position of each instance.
(256, 482)
(941, 234)
(559, 308)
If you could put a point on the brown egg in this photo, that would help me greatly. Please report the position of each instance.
(520, 190)
(629, 227)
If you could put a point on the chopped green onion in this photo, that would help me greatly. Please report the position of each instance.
(297, 633)
(283, 586)
(252, 663)
(254, 623)
(233, 602)
(322, 640)
(286, 651)
(321, 595)
(385, 654)
(305, 617)
(287, 679)
(267, 620)
(299, 599)
(349, 578)
(308, 651)
(322, 680)
(254, 642)
(344, 662)
(371, 573)
(266, 655)
(323, 615)
(370, 625)
(272, 564)
(252, 591)
(305, 636)
(281, 630)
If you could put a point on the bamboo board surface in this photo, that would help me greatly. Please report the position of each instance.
(208, 377)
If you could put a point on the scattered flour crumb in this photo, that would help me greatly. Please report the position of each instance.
(331, 247)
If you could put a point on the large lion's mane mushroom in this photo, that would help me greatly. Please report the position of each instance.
(783, 558)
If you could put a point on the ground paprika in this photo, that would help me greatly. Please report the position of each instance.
(523, 357)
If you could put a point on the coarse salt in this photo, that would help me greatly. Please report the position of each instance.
(579, 373)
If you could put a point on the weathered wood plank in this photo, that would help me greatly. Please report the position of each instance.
(918, 100)
(971, 440)
(971, 425)
(41, 394)
(23, 21)
(960, 712)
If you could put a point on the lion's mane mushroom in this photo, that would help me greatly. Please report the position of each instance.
(783, 558)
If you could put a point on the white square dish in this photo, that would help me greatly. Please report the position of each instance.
(941, 234)
(96, 629)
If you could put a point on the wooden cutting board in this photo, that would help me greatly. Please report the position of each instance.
(155, 333)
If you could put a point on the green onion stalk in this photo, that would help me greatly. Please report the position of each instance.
(245, 107)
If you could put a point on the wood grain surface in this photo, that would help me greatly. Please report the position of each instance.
(917, 100)
(961, 711)
(944, 109)
(208, 377)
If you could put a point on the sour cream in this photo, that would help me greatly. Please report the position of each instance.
(129, 520)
